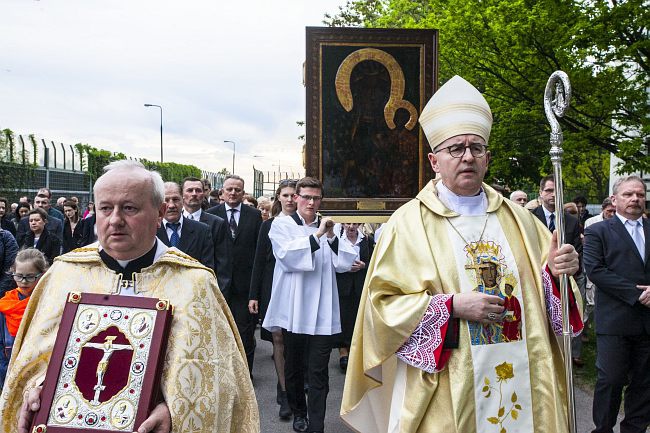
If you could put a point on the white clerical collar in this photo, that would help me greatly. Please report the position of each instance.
(196, 216)
(160, 250)
(463, 205)
(228, 207)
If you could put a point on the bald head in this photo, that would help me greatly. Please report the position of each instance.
(519, 197)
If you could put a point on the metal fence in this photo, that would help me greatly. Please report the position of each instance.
(28, 163)
(265, 183)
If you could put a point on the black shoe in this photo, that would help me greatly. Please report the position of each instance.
(285, 411)
(300, 424)
(343, 363)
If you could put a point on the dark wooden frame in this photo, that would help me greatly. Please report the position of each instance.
(150, 391)
(318, 37)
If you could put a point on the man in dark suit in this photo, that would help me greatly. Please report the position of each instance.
(617, 261)
(192, 189)
(546, 214)
(191, 237)
(54, 224)
(244, 223)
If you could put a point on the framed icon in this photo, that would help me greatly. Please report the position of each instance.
(365, 91)
(104, 372)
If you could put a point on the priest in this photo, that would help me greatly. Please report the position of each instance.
(430, 351)
(205, 382)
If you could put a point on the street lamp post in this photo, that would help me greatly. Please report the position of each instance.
(233, 154)
(161, 129)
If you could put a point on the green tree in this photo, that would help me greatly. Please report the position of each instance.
(509, 48)
(96, 159)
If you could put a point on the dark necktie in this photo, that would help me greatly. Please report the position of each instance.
(232, 223)
(173, 240)
(551, 223)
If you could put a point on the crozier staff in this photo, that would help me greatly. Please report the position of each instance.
(433, 348)
(129, 260)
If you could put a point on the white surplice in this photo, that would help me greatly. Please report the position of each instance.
(304, 295)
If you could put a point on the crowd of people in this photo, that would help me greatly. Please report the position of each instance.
(439, 316)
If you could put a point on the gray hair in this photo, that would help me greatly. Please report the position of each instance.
(174, 185)
(235, 177)
(157, 185)
(607, 202)
(625, 179)
(517, 192)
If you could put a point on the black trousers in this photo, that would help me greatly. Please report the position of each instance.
(245, 322)
(349, 306)
(622, 360)
(315, 350)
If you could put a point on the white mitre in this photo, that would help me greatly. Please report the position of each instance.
(457, 108)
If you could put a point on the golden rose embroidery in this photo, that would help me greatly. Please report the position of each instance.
(504, 372)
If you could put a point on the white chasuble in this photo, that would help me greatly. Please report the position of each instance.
(499, 354)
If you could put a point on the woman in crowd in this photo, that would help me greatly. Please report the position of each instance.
(28, 268)
(249, 200)
(21, 211)
(572, 208)
(90, 210)
(350, 285)
(262, 280)
(264, 205)
(72, 230)
(39, 237)
(5, 217)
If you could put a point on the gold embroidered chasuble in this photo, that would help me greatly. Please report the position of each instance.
(205, 381)
(413, 260)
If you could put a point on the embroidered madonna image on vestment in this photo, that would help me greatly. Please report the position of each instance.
(487, 269)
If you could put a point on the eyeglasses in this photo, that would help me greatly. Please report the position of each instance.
(30, 278)
(286, 182)
(310, 197)
(458, 150)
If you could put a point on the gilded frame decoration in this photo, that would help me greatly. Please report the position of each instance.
(104, 371)
(365, 90)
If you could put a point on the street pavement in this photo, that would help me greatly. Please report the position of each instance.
(265, 381)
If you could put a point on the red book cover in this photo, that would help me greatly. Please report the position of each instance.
(104, 372)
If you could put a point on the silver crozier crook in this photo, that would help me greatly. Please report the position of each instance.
(556, 101)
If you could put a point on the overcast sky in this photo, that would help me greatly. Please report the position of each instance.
(80, 71)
